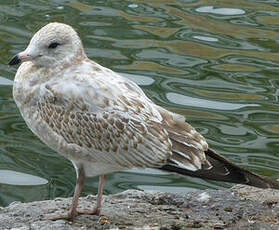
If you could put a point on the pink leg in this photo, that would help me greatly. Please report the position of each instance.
(73, 212)
(100, 193)
(97, 209)
(80, 181)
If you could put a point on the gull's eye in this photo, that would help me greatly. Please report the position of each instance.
(53, 45)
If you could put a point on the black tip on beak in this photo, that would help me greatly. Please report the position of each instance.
(15, 60)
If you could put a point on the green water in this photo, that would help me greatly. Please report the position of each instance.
(216, 62)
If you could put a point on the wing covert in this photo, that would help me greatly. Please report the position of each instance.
(109, 136)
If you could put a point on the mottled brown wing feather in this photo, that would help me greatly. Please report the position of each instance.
(109, 137)
(188, 145)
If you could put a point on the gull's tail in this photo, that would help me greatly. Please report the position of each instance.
(224, 170)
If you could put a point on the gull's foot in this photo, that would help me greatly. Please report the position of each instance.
(95, 211)
(71, 215)
(61, 216)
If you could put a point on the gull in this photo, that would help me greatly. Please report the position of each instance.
(103, 122)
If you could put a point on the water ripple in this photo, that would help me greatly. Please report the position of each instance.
(197, 102)
(221, 11)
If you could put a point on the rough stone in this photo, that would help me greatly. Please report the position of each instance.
(241, 207)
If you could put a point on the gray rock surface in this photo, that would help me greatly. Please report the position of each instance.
(240, 207)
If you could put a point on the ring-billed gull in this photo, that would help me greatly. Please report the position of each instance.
(103, 122)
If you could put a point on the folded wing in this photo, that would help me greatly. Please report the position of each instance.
(192, 157)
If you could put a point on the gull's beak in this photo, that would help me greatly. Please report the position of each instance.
(19, 58)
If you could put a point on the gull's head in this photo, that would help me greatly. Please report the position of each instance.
(54, 44)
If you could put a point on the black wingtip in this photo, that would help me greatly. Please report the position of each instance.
(15, 60)
(236, 174)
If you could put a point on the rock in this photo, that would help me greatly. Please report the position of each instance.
(241, 207)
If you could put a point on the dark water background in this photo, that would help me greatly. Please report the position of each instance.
(216, 62)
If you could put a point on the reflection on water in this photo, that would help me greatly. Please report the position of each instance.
(196, 102)
(17, 178)
(221, 11)
(205, 38)
(5, 81)
(215, 62)
(139, 79)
